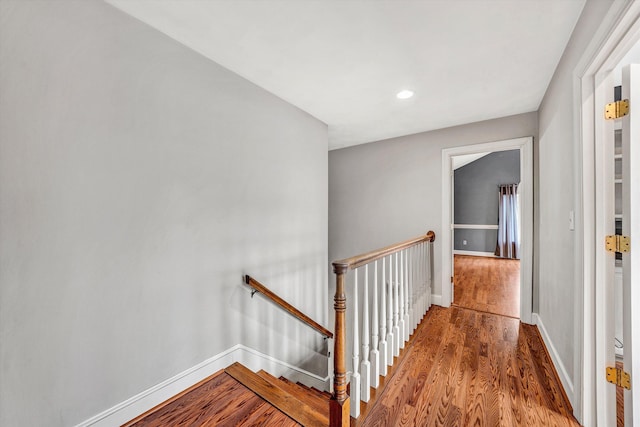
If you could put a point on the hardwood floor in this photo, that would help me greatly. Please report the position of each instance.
(487, 284)
(619, 401)
(219, 400)
(461, 368)
(467, 368)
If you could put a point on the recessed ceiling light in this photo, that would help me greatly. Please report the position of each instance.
(404, 94)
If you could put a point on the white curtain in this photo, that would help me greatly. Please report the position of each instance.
(508, 230)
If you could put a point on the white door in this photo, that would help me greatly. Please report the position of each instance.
(631, 228)
(617, 291)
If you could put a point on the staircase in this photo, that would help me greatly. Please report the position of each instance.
(237, 396)
(306, 405)
(402, 274)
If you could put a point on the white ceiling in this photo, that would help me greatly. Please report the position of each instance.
(343, 61)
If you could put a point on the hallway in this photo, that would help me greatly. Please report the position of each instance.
(467, 368)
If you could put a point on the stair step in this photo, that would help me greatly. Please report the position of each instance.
(304, 386)
(282, 399)
(319, 403)
(321, 393)
(301, 387)
(298, 383)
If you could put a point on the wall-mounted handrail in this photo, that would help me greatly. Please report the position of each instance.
(259, 287)
(418, 275)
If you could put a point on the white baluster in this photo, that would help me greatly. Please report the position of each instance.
(412, 288)
(374, 358)
(412, 296)
(407, 297)
(390, 336)
(365, 366)
(355, 376)
(418, 284)
(396, 309)
(429, 280)
(423, 290)
(401, 324)
(423, 279)
(382, 347)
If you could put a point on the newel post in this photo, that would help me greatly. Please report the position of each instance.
(339, 405)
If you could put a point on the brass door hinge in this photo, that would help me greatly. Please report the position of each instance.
(618, 377)
(617, 109)
(617, 243)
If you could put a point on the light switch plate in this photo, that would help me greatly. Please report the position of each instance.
(572, 222)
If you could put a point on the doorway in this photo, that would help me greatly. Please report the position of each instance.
(525, 190)
(486, 232)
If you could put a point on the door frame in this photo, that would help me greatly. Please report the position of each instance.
(525, 145)
(592, 84)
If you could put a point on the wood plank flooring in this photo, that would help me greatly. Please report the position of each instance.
(487, 284)
(462, 367)
(619, 400)
(468, 368)
(220, 400)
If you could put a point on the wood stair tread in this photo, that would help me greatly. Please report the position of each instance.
(304, 386)
(320, 393)
(276, 395)
(320, 404)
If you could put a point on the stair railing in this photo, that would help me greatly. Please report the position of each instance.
(404, 285)
(268, 293)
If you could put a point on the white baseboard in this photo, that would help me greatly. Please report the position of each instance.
(252, 359)
(436, 299)
(565, 378)
(475, 253)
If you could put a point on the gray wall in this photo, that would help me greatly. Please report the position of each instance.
(476, 197)
(138, 182)
(388, 191)
(475, 240)
(558, 157)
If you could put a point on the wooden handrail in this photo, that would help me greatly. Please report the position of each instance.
(366, 258)
(339, 406)
(286, 306)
